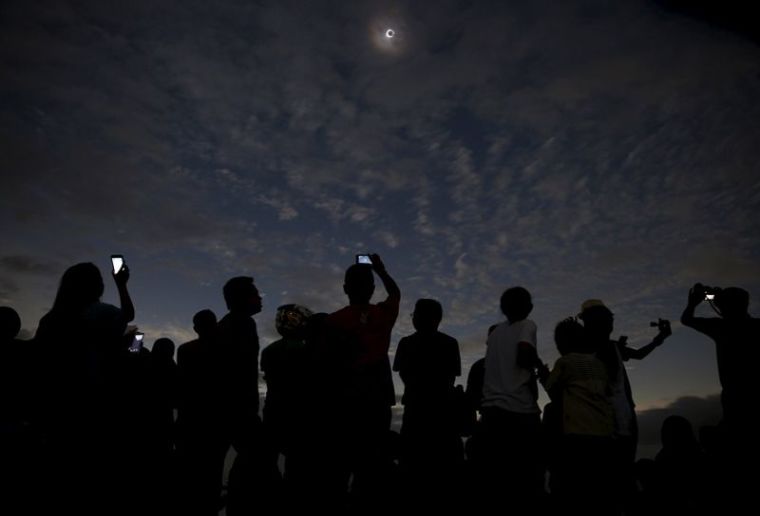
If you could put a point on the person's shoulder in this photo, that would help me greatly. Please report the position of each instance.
(529, 324)
(447, 339)
(339, 314)
(274, 347)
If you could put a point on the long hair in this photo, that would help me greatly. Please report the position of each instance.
(81, 285)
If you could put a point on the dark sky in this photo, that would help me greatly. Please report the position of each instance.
(578, 148)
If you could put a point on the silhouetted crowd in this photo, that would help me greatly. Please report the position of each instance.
(92, 423)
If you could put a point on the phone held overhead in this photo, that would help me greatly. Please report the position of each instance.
(117, 261)
(363, 258)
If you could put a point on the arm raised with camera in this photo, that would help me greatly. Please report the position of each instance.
(697, 294)
(663, 326)
(127, 308)
(394, 293)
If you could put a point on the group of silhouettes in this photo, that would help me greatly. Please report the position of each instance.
(91, 424)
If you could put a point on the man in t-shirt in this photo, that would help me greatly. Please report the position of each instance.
(736, 335)
(510, 415)
(360, 335)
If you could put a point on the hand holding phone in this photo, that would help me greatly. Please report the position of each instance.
(137, 343)
(117, 261)
(120, 270)
(364, 259)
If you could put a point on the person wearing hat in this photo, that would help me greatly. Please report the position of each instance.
(289, 375)
(598, 321)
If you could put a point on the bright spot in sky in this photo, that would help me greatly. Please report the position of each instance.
(389, 34)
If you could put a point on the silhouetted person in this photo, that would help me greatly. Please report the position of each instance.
(428, 362)
(19, 443)
(288, 368)
(15, 356)
(474, 393)
(598, 321)
(202, 428)
(163, 372)
(736, 335)
(251, 481)
(578, 386)
(682, 481)
(81, 351)
(511, 417)
(360, 334)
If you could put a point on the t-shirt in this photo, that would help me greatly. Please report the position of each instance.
(361, 337)
(507, 385)
(737, 344)
(428, 365)
(582, 381)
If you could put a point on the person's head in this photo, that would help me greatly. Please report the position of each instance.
(10, 323)
(733, 302)
(677, 433)
(597, 318)
(163, 349)
(359, 283)
(242, 296)
(516, 304)
(204, 324)
(291, 321)
(427, 315)
(569, 337)
(81, 285)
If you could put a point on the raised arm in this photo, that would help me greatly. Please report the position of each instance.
(127, 308)
(696, 296)
(388, 283)
(638, 354)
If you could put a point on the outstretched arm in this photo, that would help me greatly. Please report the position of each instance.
(639, 354)
(390, 285)
(127, 308)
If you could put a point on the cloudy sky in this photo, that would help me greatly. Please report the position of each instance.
(578, 148)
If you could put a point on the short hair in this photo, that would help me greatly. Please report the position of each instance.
(163, 347)
(237, 290)
(732, 300)
(429, 308)
(204, 321)
(359, 273)
(516, 302)
(569, 336)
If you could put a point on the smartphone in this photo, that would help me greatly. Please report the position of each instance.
(117, 261)
(137, 343)
(363, 258)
